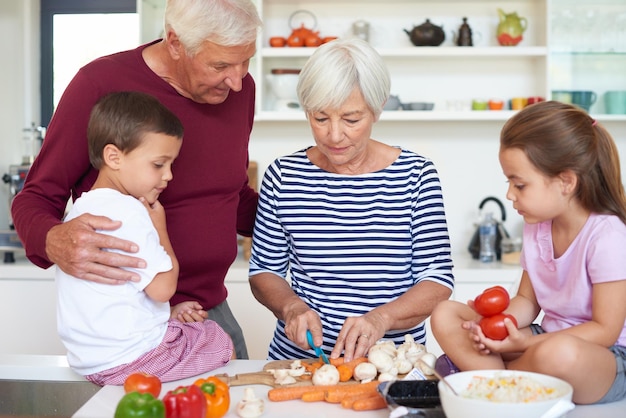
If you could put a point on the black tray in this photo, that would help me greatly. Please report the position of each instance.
(414, 393)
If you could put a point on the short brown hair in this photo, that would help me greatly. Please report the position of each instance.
(123, 118)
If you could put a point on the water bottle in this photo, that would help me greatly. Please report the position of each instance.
(487, 233)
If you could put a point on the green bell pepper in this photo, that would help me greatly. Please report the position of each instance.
(140, 405)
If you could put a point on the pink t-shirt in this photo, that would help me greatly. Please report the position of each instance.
(563, 286)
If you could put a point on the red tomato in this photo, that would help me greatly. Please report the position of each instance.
(493, 326)
(143, 383)
(492, 301)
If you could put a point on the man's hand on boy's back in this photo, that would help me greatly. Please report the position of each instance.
(77, 249)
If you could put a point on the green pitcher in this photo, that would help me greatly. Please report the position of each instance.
(510, 28)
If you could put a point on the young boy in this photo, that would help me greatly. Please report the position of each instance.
(112, 331)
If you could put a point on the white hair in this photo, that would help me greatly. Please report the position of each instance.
(223, 22)
(336, 68)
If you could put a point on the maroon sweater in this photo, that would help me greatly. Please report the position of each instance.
(207, 202)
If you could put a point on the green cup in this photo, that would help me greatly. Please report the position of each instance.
(584, 98)
(563, 96)
(479, 104)
(615, 102)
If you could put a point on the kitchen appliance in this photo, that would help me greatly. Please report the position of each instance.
(31, 142)
(9, 241)
(501, 233)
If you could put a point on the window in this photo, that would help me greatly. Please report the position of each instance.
(73, 32)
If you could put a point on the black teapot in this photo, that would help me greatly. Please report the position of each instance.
(426, 34)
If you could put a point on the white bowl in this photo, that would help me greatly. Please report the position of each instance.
(463, 407)
(283, 85)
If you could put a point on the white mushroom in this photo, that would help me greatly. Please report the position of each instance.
(282, 376)
(401, 363)
(326, 375)
(365, 372)
(381, 359)
(250, 406)
(387, 346)
(426, 363)
(415, 352)
(388, 376)
(296, 368)
(412, 351)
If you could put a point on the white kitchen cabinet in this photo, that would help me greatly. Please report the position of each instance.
(28, 304)
(28, 308)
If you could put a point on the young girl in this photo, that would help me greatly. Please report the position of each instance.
(564, 179)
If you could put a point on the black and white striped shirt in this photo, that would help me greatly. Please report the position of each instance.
(350, 243)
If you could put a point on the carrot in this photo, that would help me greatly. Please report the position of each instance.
(346, 370)
(311, 367)
(348, 400)
(336, 361)
(313, 396)
(288, 393)
(338, 392)
(369, 403)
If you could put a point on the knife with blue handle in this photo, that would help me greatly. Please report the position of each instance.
(320, 353)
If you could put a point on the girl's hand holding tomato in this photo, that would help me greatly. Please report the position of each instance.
(493, 326)
(515, 341)
(490, 305)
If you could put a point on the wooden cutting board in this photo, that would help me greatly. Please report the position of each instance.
(264, 377)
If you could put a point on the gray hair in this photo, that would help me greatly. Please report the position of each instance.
(336, 68)
(223, 22)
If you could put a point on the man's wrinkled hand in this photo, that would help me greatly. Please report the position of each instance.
(77, 249)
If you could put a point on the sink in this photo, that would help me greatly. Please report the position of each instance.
(38, 398)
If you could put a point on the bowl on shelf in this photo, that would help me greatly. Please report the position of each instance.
(542, 392)
(419, 106)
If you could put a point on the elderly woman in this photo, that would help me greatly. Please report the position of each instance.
(359, 225)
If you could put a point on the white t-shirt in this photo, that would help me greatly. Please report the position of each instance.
(102, 325)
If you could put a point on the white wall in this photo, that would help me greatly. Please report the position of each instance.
(464, 152)
(19, 84)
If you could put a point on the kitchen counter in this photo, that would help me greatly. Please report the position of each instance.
(30, 370)
(102, 404)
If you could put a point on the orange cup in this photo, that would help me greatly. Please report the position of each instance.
(495, 104)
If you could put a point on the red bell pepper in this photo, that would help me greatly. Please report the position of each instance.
(185, 402)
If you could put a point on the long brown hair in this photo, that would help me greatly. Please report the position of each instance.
(557, 137)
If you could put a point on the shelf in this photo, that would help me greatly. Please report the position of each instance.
(424, 116)
(571, 52)
(412, 52)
